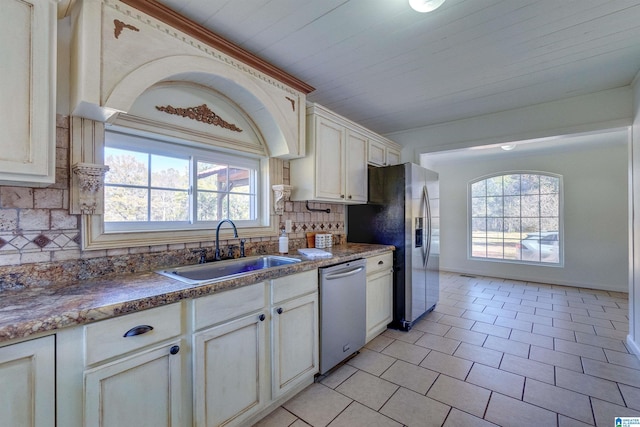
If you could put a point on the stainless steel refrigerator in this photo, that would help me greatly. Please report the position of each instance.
(403, 210)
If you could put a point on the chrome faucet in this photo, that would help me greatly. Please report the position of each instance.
(235, 234)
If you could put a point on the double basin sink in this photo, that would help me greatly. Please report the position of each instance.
(223, 270)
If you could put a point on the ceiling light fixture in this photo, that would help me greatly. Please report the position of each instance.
(423, 6)
(508, 147)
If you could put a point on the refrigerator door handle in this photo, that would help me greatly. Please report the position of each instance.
(427, 214)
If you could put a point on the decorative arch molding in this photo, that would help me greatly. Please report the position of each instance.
(249, 95)
(109, 74)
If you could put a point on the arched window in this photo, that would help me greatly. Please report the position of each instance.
(517, 217)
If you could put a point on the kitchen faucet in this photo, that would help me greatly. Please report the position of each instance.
(235, 234)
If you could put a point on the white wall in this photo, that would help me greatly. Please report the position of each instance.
(633, 339)
(595, 178)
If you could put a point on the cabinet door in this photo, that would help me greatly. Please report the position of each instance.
(330, 140)
(294, 342)
(27, 372)
(229, 372)
(393, 156)
(356, 167)
(379, 302)
(376, 153)
(137, 391)
(28, 92)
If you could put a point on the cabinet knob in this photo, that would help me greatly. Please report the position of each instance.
(342, 196)
(175, 349)
(350, 196)
(262, 317)
(138, 330)
(380, 262)
(279, 310)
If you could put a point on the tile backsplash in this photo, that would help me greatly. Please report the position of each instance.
(40, 239)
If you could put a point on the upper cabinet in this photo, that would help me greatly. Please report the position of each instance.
(120, 49)
(338, 152)
(28, 100)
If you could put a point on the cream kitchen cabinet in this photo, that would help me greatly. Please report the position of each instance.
(27, 375)
(295, 331)
(379, 294)
(382, 152)
(28, 86)
(335, 167)
(136, 369)
(230, 371)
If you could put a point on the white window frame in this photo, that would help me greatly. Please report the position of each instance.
(560, 230)
(121, 139)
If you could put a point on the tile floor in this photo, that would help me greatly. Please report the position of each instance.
(493, 352)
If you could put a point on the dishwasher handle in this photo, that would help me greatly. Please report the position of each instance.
(342, 274)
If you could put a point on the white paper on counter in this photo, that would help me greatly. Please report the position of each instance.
(315, 253)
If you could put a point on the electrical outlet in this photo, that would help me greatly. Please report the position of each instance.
(287, 226)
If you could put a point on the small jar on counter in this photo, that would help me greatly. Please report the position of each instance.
(283, 243)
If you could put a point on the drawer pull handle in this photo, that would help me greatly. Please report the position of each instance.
(262, 317)
(175, 349)
(279, 310)
(138, 330)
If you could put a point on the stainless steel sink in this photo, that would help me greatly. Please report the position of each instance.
(222, 270)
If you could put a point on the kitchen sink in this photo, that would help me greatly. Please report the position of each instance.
(222, 270)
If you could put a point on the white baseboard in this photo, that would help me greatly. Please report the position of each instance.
(633, 346)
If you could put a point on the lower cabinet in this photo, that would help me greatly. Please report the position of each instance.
(140, 390)
(379, 294)
(27, 375)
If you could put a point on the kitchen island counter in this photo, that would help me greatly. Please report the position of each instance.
(34, 310)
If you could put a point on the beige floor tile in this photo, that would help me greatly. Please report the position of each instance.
(564, 308)
(533, 318)
(408, 352)
(480, 317)
(584, 350)
(631, 396)
(299, 423)
(458, 322)
(622, 359)
(572, 326)
(410, 376)
(436, 342)
(521, 325)
(611, 372)
(489, 303)
(551, 313)
(448, 310)
(526, 307)
(619, 334)
(278, 418)
(589, 385)
(606, 412)
(564, 421)
(567, 402)
(462, 395)
(317, 405)
(507, 346)
(338, 376)
(447, 364)
(531, 338)
(479, 354)
(528, 368)
(379, 343)
(485, 328)
(431, 327)
(589, 320)
(371, 361)
(415, 410)
(407, 336)
(556, 358)
(466, 335)
(359, 415)
(494, 379)
(615, 315)
(604, 342)
(550, 331)
(500, 312)
(458, 418)
(367, 389)
(507, 411)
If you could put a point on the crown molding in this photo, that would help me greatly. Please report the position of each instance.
(197, 31)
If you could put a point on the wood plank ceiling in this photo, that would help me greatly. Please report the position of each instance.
(389, 68)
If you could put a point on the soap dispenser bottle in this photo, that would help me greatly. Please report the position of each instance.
(283, 243)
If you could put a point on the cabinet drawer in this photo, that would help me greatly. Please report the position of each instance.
(227, 305)
(106, 339)
(294, 285)
(379, 263)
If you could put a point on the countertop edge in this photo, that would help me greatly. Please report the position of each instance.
(35, 311)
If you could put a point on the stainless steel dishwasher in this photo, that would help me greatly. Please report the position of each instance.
(342, 312)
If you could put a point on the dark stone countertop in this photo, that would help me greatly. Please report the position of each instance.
(34, 310)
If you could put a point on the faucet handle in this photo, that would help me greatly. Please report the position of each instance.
(203, 254)
(242, 255)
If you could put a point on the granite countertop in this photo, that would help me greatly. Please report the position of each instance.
(34, 310)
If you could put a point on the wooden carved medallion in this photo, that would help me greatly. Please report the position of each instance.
(200, 113)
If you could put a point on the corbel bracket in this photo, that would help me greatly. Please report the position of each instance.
(281, 193)
(88, 180)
